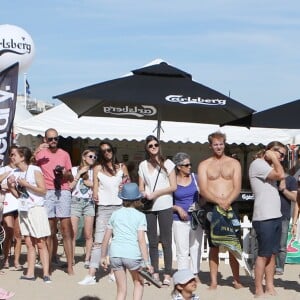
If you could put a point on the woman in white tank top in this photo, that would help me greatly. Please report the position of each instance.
(108, 178)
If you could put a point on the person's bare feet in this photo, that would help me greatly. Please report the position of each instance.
(212, 287)
(271, 292)
(70, 271)
(260, 295)
(237, 285)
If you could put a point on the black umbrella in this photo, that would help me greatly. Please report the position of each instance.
(158, 92)
(282, 116)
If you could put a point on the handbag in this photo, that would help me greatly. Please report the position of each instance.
(198, 215)
(198, 218)
(148, 204)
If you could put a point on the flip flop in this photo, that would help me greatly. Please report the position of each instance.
(148, 276)
(23, 277)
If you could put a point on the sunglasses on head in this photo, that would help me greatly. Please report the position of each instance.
(50, 139)
(108, 150)
(92, 156)
(186, 165)
(153, 145)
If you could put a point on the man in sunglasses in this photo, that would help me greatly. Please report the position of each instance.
(220, 180)
(56, 165)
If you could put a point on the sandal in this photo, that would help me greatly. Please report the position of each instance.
(18, 268)
(154, 279)
(6, 265)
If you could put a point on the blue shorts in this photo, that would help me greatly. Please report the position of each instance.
(58, 203)
(268, 234)
(121, 263)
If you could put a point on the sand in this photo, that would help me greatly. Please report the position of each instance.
(65, 287)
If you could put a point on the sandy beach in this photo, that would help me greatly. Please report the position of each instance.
(65, 287)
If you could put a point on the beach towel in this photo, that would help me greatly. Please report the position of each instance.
(225, 232)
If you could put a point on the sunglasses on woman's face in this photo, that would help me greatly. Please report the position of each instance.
(108, 150)
(186, 165)
(150, 146)
(92, 156)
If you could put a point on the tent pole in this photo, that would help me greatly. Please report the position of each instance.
(158, 128)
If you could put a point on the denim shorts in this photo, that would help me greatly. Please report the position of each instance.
(121, 263)
(268, 234)
(82, 207)
(58, 203)
(104, 213)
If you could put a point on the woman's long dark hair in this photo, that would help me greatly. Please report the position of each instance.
(161, 159)
(104, 163)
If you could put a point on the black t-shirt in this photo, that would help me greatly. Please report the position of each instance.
(291, 185)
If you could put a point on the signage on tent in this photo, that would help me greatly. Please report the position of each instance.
(16, 45)
(138, 111)
(190, 100)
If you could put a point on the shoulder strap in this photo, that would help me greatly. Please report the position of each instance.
(156, 179)
(196, 183)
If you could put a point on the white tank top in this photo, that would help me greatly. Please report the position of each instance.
(108, 189)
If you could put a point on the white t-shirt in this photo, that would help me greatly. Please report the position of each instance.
(81, 190)
(32, 198)
(164, 201)
(267, 203)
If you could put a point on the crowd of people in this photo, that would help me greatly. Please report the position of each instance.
(46, 194)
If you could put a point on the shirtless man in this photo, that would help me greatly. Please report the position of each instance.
(219, 179)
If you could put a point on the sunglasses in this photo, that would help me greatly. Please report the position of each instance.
(50, 139)
(282, 155)
(92, 156)
(186, 165)
(108, 150)
(153, 145)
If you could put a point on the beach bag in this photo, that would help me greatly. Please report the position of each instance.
(148, 204)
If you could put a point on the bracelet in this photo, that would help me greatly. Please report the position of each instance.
(294, 224)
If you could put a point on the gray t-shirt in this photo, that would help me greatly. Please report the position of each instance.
(267, 200)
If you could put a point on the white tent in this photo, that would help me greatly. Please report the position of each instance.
(68, 124)
(21, 114)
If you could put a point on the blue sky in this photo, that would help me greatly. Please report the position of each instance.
(250, 48)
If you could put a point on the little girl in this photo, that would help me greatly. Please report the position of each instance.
(184, 285)
(128, 248)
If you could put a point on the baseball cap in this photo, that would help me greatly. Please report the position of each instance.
(182, 276)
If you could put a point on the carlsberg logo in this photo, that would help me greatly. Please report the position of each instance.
(189, 100)
(14, 46)
(137, 111)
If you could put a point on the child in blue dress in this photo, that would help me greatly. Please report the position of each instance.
(128, 249)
